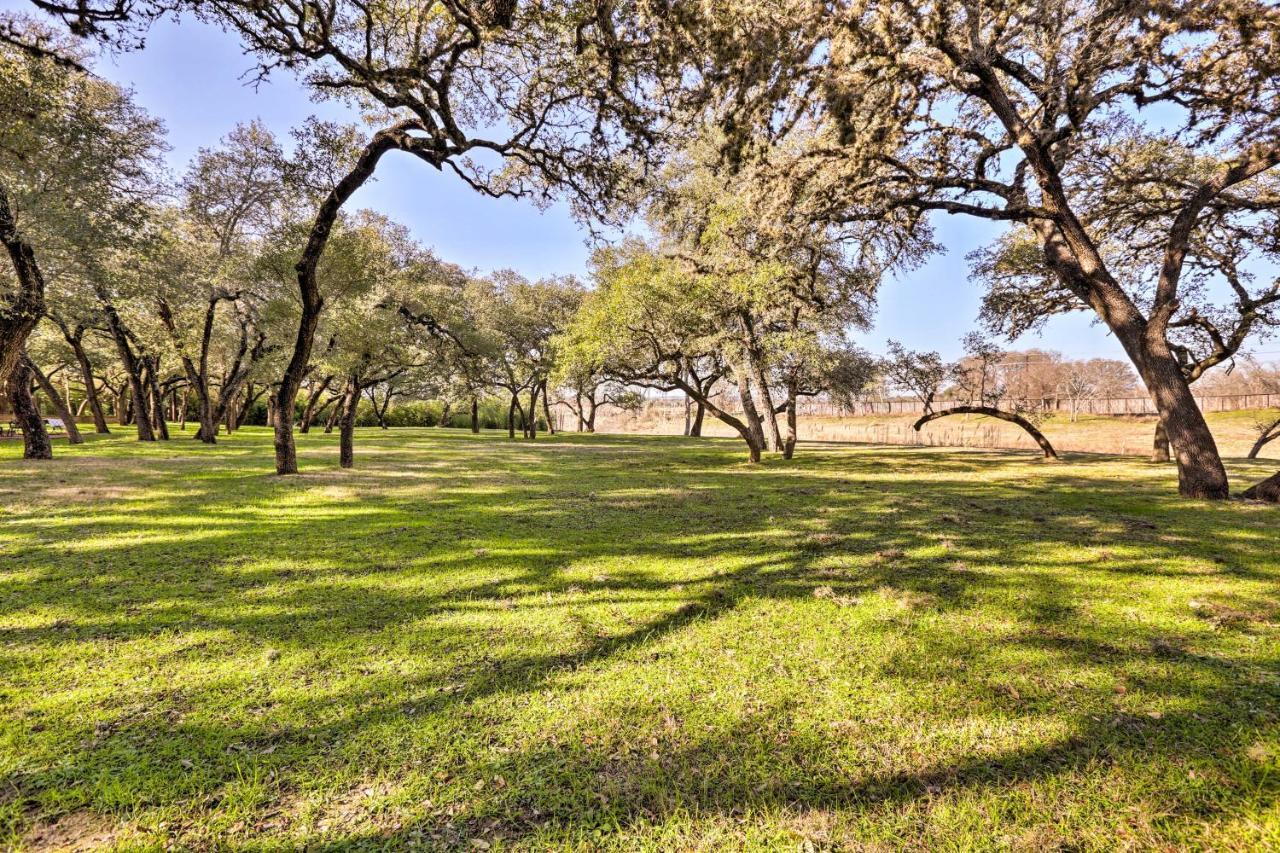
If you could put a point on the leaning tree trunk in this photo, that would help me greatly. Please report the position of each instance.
(309, 411)
(699, 415)
(90, 389)
(1267, 490)
(1266, 435)
(309, 289)
(475, 415)
(347, 425)
(1200, 470)
(753, 437)
(35, 440)
(1011, 417)
(68, 419)
(1160, 444)
(132, 369)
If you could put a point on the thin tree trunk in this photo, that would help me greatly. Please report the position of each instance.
(35, 440)
(475, 415)
(86, 376)
(511, 417)
(309, 411)
(1265, 436)
(531, 429)
(546, 411)
(68, 419)
(1011, 417)
(132, 369)
(335, 414)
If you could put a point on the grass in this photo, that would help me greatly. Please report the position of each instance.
(633, 643)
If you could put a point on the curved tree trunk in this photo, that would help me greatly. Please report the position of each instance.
(35, 441)
(1269, 434)
(68, 419)
(1267, 490)
(1011, 417)
(699, 416)
(309, 289)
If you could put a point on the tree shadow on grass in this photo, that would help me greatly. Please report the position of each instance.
(497, 571)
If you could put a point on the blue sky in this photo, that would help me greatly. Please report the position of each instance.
(193, 76)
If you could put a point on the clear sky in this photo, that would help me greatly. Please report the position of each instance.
(193, 76)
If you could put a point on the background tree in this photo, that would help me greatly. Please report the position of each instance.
(76, 166)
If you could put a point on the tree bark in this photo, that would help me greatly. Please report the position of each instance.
(749, 410)
(155, 400)
(1160, 444)
(35, 440)
(1011, 417)
(475, 415)
(758, 374)
(789, 446)
(347, 424)
(21, 313)
(68, 419)
(1200, 470)
(1267, 490)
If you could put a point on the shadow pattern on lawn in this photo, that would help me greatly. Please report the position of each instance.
(440, 548)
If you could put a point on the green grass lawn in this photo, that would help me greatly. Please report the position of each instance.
(626, 642)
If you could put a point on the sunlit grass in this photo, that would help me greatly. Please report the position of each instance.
(631, 642)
